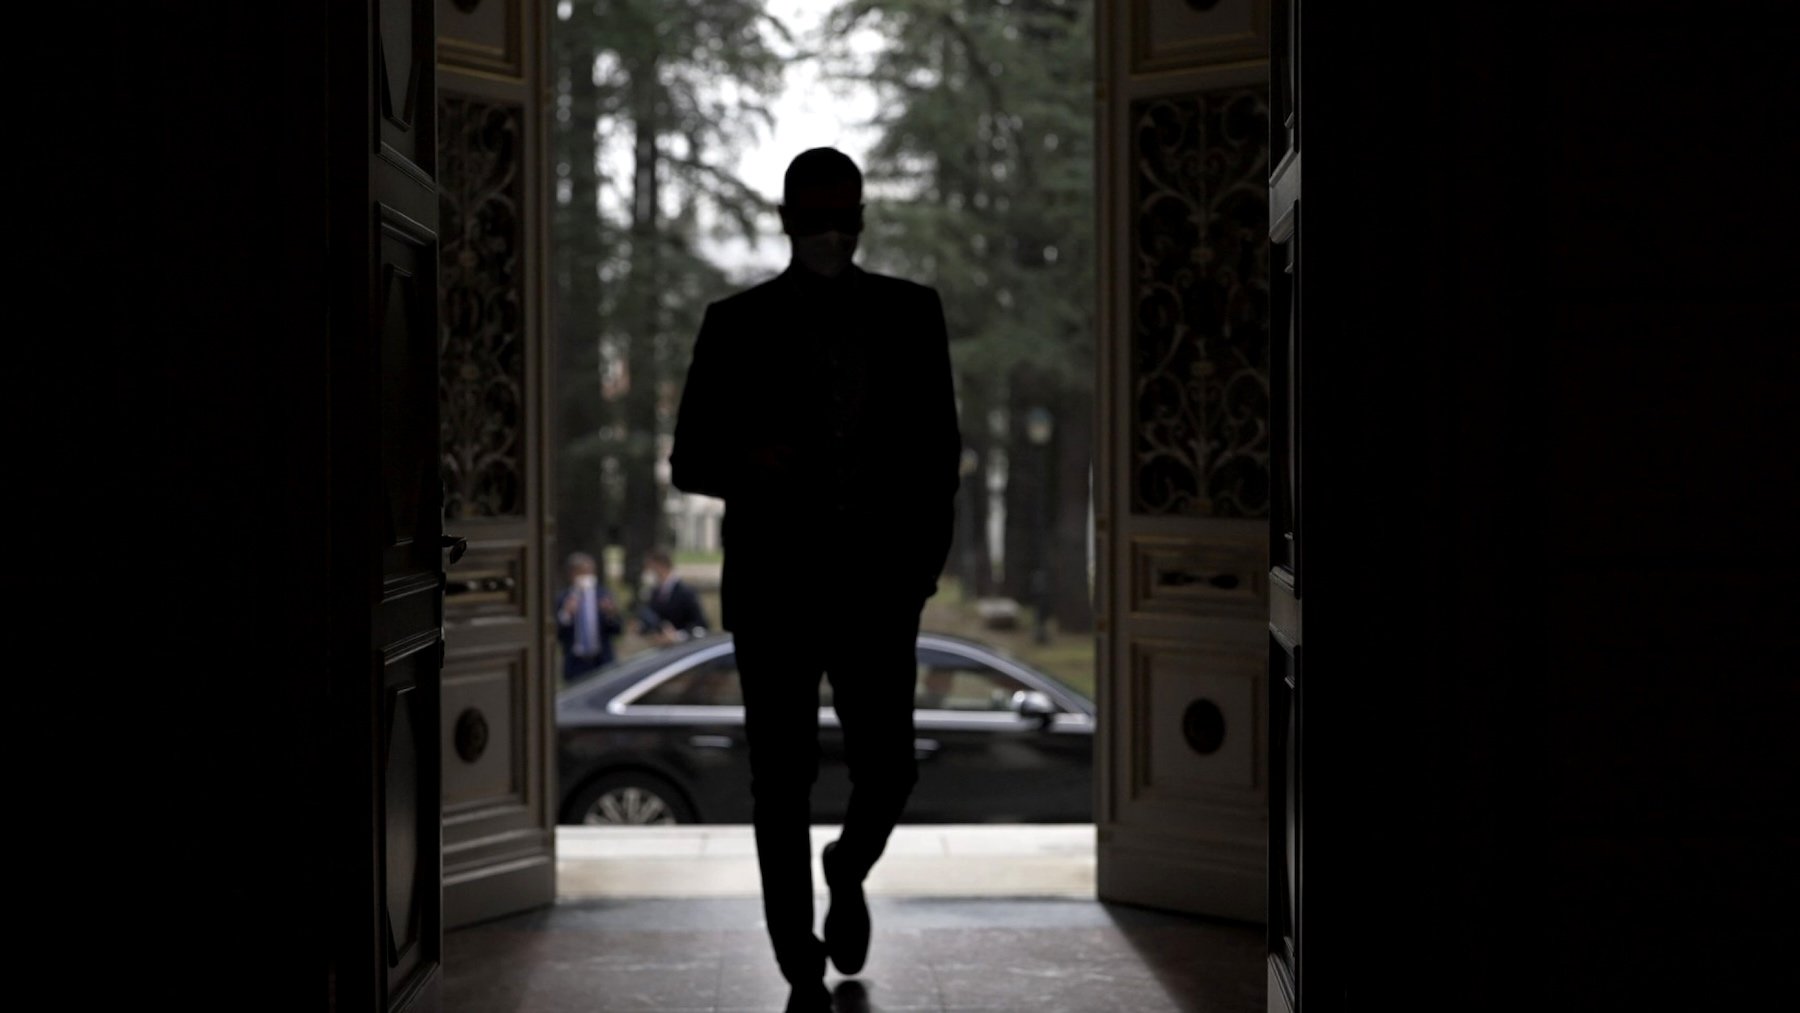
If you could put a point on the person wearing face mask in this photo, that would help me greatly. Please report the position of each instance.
(821, 407)
(669, 610)
(587, 619)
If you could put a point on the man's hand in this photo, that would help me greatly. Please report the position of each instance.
(568, 606)
(608, 606)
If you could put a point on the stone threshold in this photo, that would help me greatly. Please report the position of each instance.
(922, 860)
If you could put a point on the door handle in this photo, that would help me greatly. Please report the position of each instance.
(710, 741)
(925, 749)
(457, 546)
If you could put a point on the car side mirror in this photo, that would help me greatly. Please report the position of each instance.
(1031, 703)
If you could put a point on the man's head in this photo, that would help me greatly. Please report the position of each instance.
(580, 564)
(821, 209)
(660, 563)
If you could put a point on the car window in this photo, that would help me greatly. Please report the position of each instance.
(955, 683)
(711, 683)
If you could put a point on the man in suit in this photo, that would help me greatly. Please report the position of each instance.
(587, 619)
(670, 610)
(820, 406)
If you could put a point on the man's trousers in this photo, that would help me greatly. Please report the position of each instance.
(872, 668)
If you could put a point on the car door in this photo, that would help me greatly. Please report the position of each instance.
(697, 713)
(980, 759)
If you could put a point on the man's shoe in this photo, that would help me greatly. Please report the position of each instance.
(809, 998)
(802, 960)
(847, 922)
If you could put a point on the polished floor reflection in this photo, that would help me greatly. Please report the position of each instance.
(1038, 955)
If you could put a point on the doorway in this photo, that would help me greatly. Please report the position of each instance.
(667, 144)
(661, 153)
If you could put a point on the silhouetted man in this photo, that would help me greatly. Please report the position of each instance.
(820, 407)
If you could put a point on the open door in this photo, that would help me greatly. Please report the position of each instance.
(1183, 460)
(498, 735)
(1284, 567)
(276, 397)
(386, 500)
(265, 374)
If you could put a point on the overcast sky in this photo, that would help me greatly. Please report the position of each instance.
(810, 113)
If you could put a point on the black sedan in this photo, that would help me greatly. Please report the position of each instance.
(660, 739)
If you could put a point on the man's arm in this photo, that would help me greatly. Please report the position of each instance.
(609, 613)
(691, 613)
(703, 457)
(565, 626)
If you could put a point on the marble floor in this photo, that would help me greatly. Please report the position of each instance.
(1038, 954)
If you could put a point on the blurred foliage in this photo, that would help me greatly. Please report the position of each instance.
(981, 183)
(1068, 656)
(654, 100)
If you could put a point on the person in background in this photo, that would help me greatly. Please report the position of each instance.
(670, 610)
(587, 618)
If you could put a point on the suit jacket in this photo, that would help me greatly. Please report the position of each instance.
(610, 626)
(679, 606)
(853, 376)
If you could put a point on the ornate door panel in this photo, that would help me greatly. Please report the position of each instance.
(1284, 753)
(1182, 518)
(496, 722)
(386, 499)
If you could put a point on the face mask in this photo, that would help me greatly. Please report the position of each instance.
(825, 253)
(587, 581)
(806, 221)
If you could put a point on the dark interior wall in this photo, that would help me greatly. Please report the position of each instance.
(1670, 684)
(1550, 367)
(1421, 520)
(183, 529)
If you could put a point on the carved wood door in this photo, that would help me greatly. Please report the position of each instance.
(1284, 754)
(1182, 509)
(499, 829)
(385, 423)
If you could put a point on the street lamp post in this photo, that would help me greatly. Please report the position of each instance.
(1040, 425)
(974, 545)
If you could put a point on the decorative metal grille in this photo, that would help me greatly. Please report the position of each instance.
(1200, 304)
(482, 347)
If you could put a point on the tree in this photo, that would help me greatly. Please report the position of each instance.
(677, 87)
(981, 185)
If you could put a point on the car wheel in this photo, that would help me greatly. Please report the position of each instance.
(630, 799)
